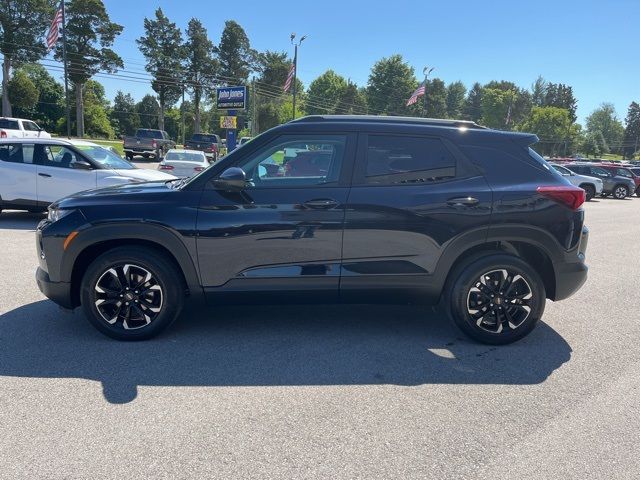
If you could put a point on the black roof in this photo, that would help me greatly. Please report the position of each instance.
(389, 119)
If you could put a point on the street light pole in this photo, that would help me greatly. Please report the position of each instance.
(426, 71)
(295, 68)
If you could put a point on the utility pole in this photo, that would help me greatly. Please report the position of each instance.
(66, 76)
(182, 111)
(426, 71)
(295, 67)
(254, 108)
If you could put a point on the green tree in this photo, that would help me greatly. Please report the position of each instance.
(519, 102)
(496, 107)
(473, 103)
(236, 57)
(605, 120)
(90, 34)
(124, 116)
(96, 110)
(632, 131)
(324, 94)
(436, 99)
(148, 110)
(391, 83)
(23, 91)
(23, 24)
(162, 48)
(50, 106)
(561, 96)
(456, 92)
(554, 127)
(539, 91)
(352, 100)
(593, 143)
(201, 64)
(274, 68)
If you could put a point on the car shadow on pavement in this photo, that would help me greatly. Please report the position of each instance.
(14, 220)
(272, 346)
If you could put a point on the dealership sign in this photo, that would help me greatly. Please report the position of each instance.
(231, 98)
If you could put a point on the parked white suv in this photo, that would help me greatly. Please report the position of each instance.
(20, 128)
(591, 185)
(36, 172)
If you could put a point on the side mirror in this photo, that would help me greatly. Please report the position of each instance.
(80, 165)
(232, 180)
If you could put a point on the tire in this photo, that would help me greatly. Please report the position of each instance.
(500, 325)
(589, 190)
(620, 192)
(638, 192)
(130, 157)
(144, 315)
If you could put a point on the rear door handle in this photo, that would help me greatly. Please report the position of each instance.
(321, 203)
(463, 202)
(45, 175)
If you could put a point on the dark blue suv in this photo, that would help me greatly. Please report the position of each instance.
(330, 209)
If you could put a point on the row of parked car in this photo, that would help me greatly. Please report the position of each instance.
(620, 180)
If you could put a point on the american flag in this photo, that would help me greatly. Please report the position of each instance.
(414, 96)
(54, 29)
(292, 71)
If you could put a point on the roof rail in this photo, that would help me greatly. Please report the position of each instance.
(389, 119)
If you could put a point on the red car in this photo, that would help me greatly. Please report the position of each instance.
(623, 171)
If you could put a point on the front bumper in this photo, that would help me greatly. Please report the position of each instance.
(59, 292)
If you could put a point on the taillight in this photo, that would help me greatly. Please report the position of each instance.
(570, 196)
(165, 167)
(154, 144)
(198, 169)
(3, 134)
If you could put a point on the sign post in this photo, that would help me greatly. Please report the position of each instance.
(231, 99)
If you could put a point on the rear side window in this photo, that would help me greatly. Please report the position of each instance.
(395, 159)
(9, 124)
(16, 153)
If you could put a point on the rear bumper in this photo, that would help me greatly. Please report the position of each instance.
(570, 276)
(59, 292)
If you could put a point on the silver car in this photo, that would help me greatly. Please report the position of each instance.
(591, 185)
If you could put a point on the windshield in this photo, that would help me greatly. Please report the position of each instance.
(184, 157)
(105, 158)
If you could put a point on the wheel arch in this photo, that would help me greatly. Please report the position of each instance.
(535, 247)
(97, 240)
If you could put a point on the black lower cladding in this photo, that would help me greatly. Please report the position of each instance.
(59, 292)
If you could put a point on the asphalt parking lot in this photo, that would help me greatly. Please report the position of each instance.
(326, 391)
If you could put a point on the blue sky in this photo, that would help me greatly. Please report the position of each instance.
(594, 46)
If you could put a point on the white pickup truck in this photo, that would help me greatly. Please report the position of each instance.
(20, 128)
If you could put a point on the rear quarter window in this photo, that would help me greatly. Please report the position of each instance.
(9, 124)
(397, 159)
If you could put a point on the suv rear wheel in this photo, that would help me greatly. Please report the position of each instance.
(131, 293)
(620, 192)
(497, 299)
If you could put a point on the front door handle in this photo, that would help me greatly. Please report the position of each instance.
(321, 203)
(463, 202)
(45, 175)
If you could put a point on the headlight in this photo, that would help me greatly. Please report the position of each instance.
(55, 214)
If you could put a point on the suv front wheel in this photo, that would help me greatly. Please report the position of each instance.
(132, 293)
(497, 299)
(620, 192)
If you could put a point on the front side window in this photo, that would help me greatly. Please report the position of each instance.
(562, 170)
(30, 126)
(601, 172)
(16, 153)
(623, 172)
(58, 156)
(398, 159)
(289, 162)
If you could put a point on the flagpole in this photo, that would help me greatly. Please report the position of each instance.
(64, 58)
(426, 72)
(295, 73)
